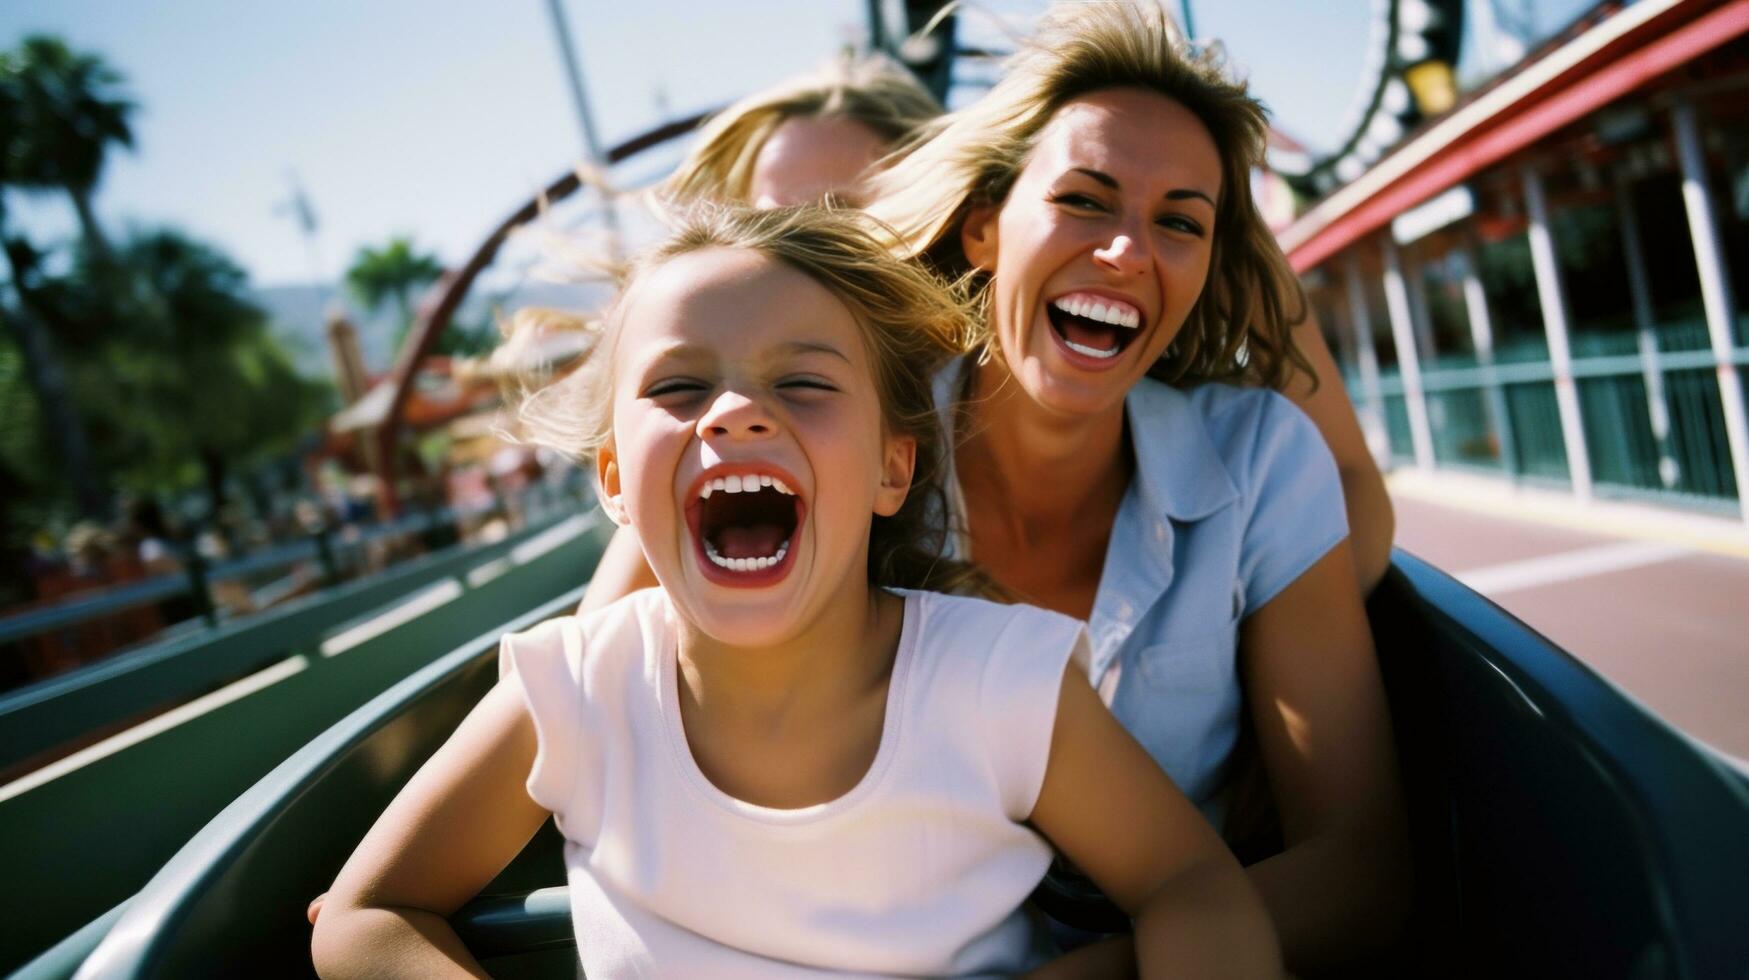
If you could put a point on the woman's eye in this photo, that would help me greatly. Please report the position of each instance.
(1080, 202)
(1182, 224)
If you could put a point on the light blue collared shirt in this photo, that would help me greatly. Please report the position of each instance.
(1235, 495)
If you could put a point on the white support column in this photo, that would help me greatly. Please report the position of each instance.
(1554, 306)
(1482, 336)
(1715, 288)
(1408, 359)
(1343, 347)
(1367, 358)
(1645, 324)
(1420, 315)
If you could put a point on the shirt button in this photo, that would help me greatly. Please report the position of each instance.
(1123, 610)
(1159, 530)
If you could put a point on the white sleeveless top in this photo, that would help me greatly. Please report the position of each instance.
(919, 870)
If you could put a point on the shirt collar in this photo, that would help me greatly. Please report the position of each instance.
(1178, 470)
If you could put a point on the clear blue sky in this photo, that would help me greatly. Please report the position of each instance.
(435, 118)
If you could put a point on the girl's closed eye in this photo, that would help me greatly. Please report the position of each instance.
(807, 383)
(670, 388)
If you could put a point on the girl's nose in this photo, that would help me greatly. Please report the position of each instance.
(733, 415)
(1124, 255)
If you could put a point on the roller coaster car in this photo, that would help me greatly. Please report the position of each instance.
(1558, 828)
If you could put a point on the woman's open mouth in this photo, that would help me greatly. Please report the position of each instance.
(1093, 330)
(745, 524)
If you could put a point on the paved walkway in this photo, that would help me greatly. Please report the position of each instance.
(1656, 602)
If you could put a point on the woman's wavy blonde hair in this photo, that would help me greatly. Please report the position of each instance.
(1240, 327)
(910, 322)
(873, 90)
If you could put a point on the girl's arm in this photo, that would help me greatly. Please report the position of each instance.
(452, 828)
(1109, 809)
(621, 571)
(1370, 519)
(1341, 885)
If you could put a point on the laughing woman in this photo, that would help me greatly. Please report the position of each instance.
(1120, 457)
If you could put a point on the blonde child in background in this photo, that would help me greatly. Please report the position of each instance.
(806, 139)
(786, 762)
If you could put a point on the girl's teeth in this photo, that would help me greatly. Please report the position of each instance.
(743, 484)
(745, 564)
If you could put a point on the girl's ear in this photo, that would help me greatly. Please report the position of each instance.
(898, 464)
(607, 485)
(978, 236)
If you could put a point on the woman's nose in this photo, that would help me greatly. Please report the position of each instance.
(733, 415)
(1123, 254)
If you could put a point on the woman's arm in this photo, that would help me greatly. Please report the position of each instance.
(1370, 519)
(452, 828)
(621, 571)
(1109, 809)
(1341, 886)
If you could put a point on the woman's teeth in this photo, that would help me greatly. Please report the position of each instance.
(744, 484)
(1091, 351)
(745, 564)
(1114, 312)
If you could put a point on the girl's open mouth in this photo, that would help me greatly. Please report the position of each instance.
(1093, 330)
(745, 524)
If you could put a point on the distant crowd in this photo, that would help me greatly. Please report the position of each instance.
(149, 542)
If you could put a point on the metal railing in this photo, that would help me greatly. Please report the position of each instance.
(1502, 417)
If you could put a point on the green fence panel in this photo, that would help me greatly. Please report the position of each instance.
(1536, 430)
(84, 841)
(1618, 432)
(1463, 434)
(1597, 343)
(1505, 417)
(1697, 434)
(1685, 334)
(1397, 429)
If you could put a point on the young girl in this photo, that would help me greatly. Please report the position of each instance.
(780, 764)
(804, 140)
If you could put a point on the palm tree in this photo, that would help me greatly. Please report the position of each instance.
(210, 382)
(47, 376)
(67, 110)
(59, 112)
(391, 273)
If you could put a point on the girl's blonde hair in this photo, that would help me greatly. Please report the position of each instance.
(872, 90)
(1240, 325)
(909, 321)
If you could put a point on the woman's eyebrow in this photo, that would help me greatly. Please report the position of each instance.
(1176, 194)
(1185, 193)
(1099, 175)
